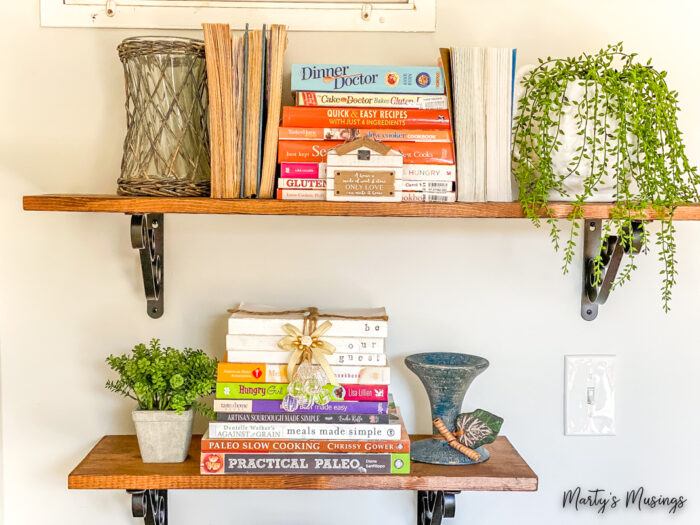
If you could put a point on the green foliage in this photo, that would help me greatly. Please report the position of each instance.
(164, 378)
(629, 130)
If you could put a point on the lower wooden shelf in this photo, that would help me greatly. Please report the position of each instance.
(203, 205)
(115, 463)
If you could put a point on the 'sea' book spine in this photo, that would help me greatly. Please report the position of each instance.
(439, 153)
(217, 463)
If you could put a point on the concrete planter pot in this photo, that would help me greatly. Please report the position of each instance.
(163, 435)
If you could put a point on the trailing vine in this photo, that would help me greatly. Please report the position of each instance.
(627, 137)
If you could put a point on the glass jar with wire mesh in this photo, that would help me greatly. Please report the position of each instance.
(166, 149)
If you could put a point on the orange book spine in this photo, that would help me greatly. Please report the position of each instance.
(413, 152)
(251, 373)
(266, 446)
(382, 135)
(365, 118)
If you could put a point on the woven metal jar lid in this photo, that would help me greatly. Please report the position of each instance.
(151, 45)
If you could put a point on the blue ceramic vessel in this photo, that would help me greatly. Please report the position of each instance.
(446, 376)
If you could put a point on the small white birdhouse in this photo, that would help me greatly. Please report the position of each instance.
(364, 170)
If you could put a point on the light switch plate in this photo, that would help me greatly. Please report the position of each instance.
(590, 395)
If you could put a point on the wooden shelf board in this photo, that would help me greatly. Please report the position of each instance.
(115, 463)
(201, 205)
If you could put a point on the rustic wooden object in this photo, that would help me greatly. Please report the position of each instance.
(488, 210)
(115, 463)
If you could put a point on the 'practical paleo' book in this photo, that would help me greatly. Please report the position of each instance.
(367, 79)
(217, 463)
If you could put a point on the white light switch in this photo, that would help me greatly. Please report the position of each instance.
(590, 395)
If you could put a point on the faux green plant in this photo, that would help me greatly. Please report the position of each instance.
(160, 378)
(627, 131)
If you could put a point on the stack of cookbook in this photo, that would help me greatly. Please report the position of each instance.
(406, 107)
(269, 423)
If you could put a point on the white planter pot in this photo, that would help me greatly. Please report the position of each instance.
(164, 436)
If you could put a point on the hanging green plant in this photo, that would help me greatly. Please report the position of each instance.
(603, 127)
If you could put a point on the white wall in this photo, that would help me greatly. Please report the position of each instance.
(70, 290)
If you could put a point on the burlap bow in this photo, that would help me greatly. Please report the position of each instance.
(308, 346)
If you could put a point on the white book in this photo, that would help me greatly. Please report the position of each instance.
(281, 357)
(498, 84)
(340, 431)
(343, 345)
(427, 196)
(257, 323)
(428, 172)
(436, 186)
(469, 122)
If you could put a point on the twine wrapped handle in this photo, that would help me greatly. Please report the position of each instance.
(452, 440)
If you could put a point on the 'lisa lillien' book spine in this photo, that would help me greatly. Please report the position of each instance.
(300, 117)
(371, 100)
(370, 432)
(217, 463)
(368, 79)
(272, 405)
(296, 417)
(279, 391)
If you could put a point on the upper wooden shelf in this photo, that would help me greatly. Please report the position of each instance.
(115, 463)
(139, 205)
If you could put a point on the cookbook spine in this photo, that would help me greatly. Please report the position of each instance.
(413, 152)
(334, 407)
(389, 432)
(381, 135)
(217, 463)
(370, 100)
(301, 117)
(367, 79)
(279, 391)
(297, 417)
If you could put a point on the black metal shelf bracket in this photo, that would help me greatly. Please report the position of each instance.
(147, 238)
(434, 505)
(151, 505)
(596, 290)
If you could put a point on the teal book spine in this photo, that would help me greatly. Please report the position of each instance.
(367, 79)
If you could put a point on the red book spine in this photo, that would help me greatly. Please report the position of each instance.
(413, 152)
(312, 117)
(265, 446)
